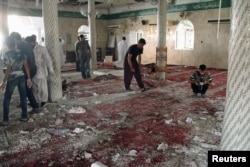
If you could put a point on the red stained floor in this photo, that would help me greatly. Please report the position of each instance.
(134, 122)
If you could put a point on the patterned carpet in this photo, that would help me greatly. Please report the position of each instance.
(116, 122)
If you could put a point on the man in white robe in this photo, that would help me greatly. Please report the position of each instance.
(43, 64)
(61, 47)
(122, 49)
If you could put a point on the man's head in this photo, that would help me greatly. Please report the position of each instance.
(9, 41)
(31, 41)
(141, 43)
(34, 36)
(17, 37)
(202, 68)
(81, 37)
(124, 38)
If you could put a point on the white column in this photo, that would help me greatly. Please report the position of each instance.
(92, 32)
(50, 17)
(161, 27)
(236, 125)
(4, 29)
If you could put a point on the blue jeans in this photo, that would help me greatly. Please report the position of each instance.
(21, 84)
(85, 68)
(31, 97)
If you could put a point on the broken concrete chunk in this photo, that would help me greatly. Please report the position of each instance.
(31, 120)
(162, 146)
(98, 164)
(81, 123)
(219, 116)
(58, 131)
(168, 121)
(98, 102)
(87, 155)
(45, 137)
(78, 130)
(182, 150)
(115, 157)
(193, 164)
(148, 161)
(24, 132)
(132, 153)
(2, 152)
(59, 121)
(77, 110)
(205, 145)
(198, 139)
(51, 164)
(189, 120)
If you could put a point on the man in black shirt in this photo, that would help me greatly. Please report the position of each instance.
(27, 52)
(132, 66)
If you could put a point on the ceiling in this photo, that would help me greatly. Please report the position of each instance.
(103, 4)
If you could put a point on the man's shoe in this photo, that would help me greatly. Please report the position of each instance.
(19, 105)
(195, 95)
(203, 95)
(4, 123)
(43, 104)
(129, 89)
(23, 119)
(33, 112)
(144, 89)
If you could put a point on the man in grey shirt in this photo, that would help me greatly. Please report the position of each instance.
(84, 54)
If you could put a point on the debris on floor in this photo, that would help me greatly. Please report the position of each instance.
(99, 124)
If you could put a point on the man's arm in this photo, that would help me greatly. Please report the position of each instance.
(130, 63)
(27, 71)
(48, 60)
(76, 51)
(89, 51)
(6, 76)
(139, 59)
(209, 79)
(193, 78)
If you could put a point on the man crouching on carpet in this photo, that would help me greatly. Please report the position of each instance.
(132, 67)
(200, 81)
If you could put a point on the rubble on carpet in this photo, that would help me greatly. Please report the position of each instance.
(99, 124)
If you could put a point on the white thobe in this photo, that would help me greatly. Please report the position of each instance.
(62, 56)
(122, 49)
(43, 64)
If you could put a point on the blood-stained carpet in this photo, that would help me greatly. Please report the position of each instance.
(97, 120)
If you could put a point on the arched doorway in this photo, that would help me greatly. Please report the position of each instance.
(84, 30)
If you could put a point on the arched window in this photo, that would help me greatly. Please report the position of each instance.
(84, 30)
(184, 35)
(139, 35)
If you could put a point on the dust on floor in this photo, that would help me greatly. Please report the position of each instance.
(97, 120)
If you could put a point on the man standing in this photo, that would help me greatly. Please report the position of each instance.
(122, 48)
(27, 51)
(43, 64)
(84, 54)
(132, 67)
(14, 76)
(200, 81)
